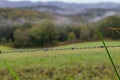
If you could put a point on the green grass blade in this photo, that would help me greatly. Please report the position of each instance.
(11, 71)
(111, 60)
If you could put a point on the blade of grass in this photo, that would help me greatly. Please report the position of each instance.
(108, 53)
(11, 71)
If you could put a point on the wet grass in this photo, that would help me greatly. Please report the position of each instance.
(88, 64)
(91, 44)
(108, 53)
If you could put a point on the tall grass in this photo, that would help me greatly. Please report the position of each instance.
(11, 71)
(108, 53)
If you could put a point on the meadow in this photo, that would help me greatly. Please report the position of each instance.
(80, 64)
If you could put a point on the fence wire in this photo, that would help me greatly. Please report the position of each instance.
(54, 49)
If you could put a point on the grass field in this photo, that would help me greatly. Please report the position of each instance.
(82, 64)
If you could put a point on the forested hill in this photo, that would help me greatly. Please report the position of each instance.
(10, 15)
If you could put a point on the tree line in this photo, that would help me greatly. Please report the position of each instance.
(47, 33)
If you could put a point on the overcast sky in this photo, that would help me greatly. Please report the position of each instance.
(76, 1)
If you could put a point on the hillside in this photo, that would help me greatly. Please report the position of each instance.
(76, 7)
(9, 16)
(63, 13)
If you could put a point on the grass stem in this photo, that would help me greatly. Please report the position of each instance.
(11, 71)
(111, 60)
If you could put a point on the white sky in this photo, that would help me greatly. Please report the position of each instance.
(76, 1)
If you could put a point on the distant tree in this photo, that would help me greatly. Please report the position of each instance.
(87, 32)
(110, 22)
(2, 31)
(77, 31)
(3, 40)
(7, 31)
(71, 36)
(84, 32)
(22, 38)
(44, 33)
(26, 25)
(10, 40)
(64, 31)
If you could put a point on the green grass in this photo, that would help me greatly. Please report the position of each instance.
(89, 64)
(91, 44)
(11, 71)
(108, 53)
(5, 48)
